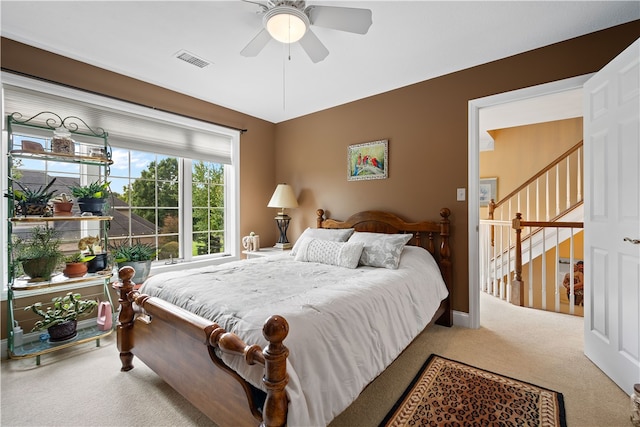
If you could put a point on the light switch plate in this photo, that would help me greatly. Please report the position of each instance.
(461, 194)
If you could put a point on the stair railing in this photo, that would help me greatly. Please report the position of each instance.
(554, 190)
(517, 288)
(560, 181)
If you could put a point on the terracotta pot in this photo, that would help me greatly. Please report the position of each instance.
(63, 331)
(62, 208)
(75, 269)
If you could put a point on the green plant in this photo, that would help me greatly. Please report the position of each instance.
(78, 257)
(95, 190)
(27, 195)
(65, 308)
(44, 242)
(130, 251)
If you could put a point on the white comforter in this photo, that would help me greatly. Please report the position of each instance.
(345, 326)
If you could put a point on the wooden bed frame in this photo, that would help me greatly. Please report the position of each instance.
(180, 346)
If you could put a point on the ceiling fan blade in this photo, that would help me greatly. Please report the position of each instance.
(313, 46)
(347, 19)
(256, 45)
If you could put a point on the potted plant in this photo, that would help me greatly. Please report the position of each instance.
(76, 265)
(62, 205)
(40, 254)
(30, 201)
(91, 246)
(92, 197)
(137, 255)
(61, 318)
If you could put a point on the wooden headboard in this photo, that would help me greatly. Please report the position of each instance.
(425, 234)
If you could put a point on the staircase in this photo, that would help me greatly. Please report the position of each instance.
(539, 242)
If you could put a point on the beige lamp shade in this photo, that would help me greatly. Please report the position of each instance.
(283, 197)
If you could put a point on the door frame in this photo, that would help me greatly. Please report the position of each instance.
(472, 320)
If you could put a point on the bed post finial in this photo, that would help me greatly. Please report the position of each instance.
(445, 265)
(275, 379)
(319, 218)
(125, 317)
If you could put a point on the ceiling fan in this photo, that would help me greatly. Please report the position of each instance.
(290, 21)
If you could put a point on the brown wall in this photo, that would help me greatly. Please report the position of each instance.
(426, 124)
(427, 128)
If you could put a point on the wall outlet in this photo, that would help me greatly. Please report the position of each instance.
(461, 194)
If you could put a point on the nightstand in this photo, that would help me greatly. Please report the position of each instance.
(265, 252)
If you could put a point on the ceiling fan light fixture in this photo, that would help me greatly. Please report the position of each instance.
(286, 24)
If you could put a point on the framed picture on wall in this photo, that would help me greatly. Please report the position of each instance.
(488, 190)
(369, 160)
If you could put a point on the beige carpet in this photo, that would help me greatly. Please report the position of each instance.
(83, 386)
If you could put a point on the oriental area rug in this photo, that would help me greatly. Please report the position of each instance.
(450, 393)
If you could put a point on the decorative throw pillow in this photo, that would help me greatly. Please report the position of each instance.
(381, 250)
(331, 234)
(342, 254)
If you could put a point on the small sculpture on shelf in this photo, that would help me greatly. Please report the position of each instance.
(91, 246)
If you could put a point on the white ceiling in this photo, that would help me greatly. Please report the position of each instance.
(408, 42)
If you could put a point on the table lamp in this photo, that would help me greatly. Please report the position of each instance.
(283, 198)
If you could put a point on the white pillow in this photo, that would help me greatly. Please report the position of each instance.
(381, 250)
(331, 234)
(342, 254)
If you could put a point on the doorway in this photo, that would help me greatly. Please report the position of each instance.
(475, 107)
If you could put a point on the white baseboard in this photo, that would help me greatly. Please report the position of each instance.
(460, 318)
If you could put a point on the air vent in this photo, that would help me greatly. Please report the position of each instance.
(192, 59)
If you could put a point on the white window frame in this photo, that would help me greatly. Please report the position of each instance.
(232, 173)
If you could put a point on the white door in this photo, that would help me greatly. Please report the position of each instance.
(611, 215)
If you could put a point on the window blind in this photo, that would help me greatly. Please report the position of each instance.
(128, 125)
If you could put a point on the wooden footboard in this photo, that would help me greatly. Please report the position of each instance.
(180, 347)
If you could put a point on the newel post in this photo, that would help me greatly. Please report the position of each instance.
(492, 209)
(517, 286)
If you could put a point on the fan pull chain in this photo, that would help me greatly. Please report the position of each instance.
(284, 80)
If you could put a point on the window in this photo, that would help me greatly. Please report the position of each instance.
(189, 208)
(149, 203)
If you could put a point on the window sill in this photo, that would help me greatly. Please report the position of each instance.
(159, 267)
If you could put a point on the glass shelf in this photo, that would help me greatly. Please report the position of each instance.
(59, 279)
(36, 348)
(61, 157)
